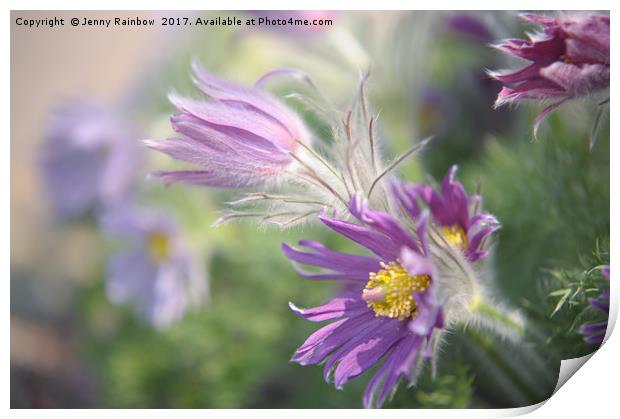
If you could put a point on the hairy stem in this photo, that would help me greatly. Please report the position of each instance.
(493, 313)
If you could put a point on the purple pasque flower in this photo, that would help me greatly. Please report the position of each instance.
(594, 333)
(455, 214)
(89, 159)
(152, 269)
(388, 309)
(242, 137)
(569, 59)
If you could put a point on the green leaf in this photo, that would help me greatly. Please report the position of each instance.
(561, 303)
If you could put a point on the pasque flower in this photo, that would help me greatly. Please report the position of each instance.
(569, 59)
(152, 269)
(456, 214)
(387, 310)
(244, 137)
(594, 332)
(241, 137)
(89, 159)
(394, 304)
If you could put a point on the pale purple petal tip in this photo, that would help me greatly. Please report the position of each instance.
(242, 137)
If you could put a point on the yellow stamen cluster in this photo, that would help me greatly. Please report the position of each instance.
(158, 246)
(390, 291)
(455, 235)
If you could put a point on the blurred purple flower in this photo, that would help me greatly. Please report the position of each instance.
(435, 112)
(455, 213)
(594, 333)
(243, 137)
(153, 269)
(570, 59)
(90, 158)
(469, 25)
(388, 308)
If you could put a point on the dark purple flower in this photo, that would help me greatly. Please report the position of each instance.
(153, 270)
(90, 159)
(569, 59)
(388, 309)
(456, 214)
(242, 137)
(469, 25)
(594, 333)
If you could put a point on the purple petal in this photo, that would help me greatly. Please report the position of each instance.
(381, 222)
(207, 178)
(455, 199)
(430, 314)
(236, 116)
(593, 35)
(541, 116)
(361, 353)
(421, 228)
(224, 139)
(89, 159)
(577, 81)
(452, 206)
(376, 242)
(543, 51)
(129, 274)
(415, 263)
(253, 98)
(405, 197)
(581, 52)
(527, 73)
(605, 271)
(191, 151)
(343, 306)
(169, 299)
(314, 350)
(399, 362)
(593, 328)
(350, 266)
(475, 241)
(540, 89)
(316, 339)
(601, 304)
(595, 339)
(540, 19)
(71, 179)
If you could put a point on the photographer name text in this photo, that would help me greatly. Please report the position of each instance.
(54, 22)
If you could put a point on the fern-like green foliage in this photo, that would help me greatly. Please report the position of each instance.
(568, 291)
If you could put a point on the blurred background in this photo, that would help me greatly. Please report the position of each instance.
(72, 347)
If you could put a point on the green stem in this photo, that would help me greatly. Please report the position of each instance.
(493, 313)
(497, 358)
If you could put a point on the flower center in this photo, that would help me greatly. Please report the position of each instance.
(158, 246)
(390, 291)
(455, 235)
